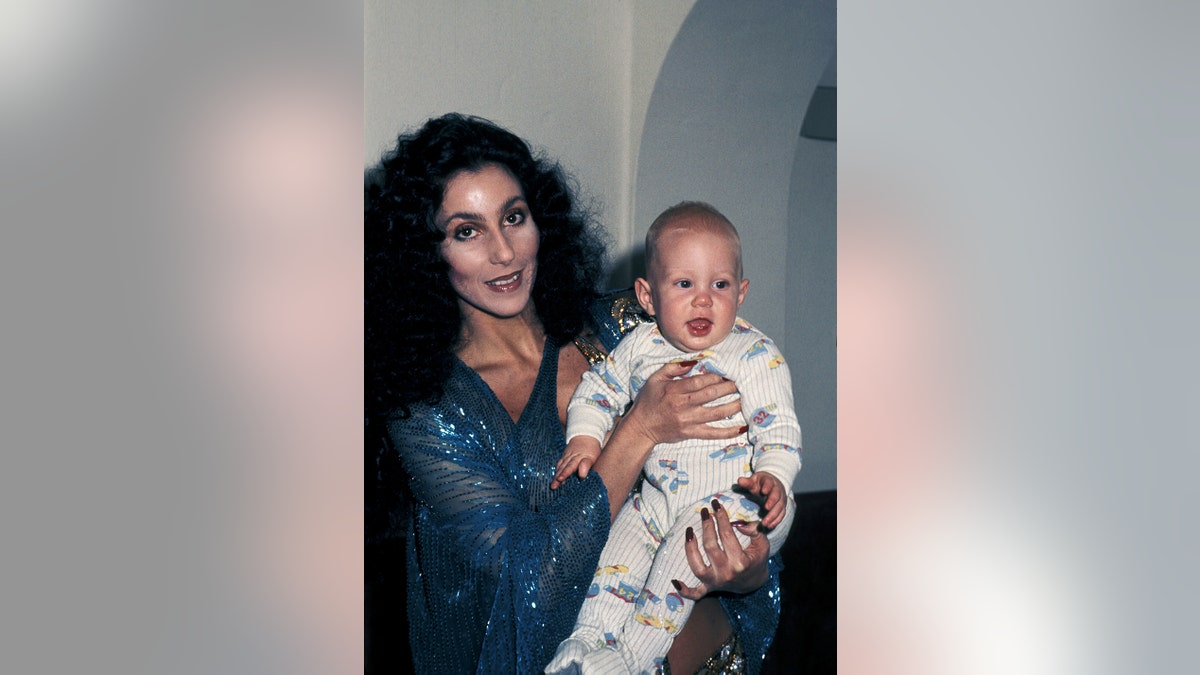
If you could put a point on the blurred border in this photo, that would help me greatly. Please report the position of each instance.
(166, 509)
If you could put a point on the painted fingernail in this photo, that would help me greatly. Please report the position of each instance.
(677, 584)
(716, 505)
(688, 364)
(743, 429)
(703, 514)
(689, 534)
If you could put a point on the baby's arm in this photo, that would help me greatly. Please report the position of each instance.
(591, 415)
(766, 386)
(579, 456)
(771, 493)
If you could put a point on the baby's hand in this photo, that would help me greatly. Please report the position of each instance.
(771, 493)
(578, 457)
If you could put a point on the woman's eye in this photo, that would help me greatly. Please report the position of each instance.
(514, 218)
(464, 233)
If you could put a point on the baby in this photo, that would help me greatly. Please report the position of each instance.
(693, 288)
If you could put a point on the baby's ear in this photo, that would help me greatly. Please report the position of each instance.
(742, 293)
(641, 288)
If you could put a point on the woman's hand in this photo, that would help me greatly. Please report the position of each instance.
(671, 408)
(733, 569)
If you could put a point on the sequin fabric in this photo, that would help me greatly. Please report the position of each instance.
(498, 563)
(730, 659)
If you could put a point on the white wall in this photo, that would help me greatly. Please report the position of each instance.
(810, 307)
(573, 78)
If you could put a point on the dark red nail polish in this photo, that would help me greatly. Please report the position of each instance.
(676, 583)
(688, 364)
(689, 534)
(743, 429)
(703, 514)
(716, 506)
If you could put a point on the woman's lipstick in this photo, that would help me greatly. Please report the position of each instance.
(506, 284)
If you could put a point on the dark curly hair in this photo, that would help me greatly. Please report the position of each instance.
(412, 314)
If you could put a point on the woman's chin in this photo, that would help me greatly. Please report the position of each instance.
(511, 307)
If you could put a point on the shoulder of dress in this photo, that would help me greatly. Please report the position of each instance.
(453, 402)
(588, 348)
(612, 316)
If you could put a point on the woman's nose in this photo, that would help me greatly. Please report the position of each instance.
(502, 250)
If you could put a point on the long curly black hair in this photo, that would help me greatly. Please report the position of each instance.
(412, 314)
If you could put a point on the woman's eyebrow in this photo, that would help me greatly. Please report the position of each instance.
(461, 215)
(468, 215)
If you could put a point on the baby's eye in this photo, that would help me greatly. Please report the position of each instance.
(684, 283)
(720, 285)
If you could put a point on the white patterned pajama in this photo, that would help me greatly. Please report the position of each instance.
(632, 611)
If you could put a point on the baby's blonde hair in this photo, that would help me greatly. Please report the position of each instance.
(691, 215)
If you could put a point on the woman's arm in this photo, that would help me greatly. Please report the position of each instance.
(526, 568)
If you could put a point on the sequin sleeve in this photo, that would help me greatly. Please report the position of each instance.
(502, 562)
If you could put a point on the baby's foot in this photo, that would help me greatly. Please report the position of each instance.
(568, 657)
(603, 661)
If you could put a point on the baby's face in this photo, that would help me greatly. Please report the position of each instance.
(694, 288)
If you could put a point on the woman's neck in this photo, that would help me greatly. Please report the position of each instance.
(505, 352)
(488, 341)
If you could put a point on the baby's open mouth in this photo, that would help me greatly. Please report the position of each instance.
(699, 327)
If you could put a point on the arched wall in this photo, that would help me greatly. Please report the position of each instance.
(723, 126)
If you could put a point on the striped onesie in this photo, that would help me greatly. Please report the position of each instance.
(632, 611)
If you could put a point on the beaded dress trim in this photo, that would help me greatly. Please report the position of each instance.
(729, 659)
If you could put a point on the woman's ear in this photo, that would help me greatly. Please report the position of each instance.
(641, 288)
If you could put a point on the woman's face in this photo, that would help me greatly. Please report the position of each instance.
(491, 241)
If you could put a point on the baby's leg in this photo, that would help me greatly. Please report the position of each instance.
(660, 612)
(742, 508)
(620, 575)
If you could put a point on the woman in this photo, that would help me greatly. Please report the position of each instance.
(481, 273)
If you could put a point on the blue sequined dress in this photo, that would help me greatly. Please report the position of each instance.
(498, 563)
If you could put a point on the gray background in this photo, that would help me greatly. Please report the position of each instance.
(1036, 159)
